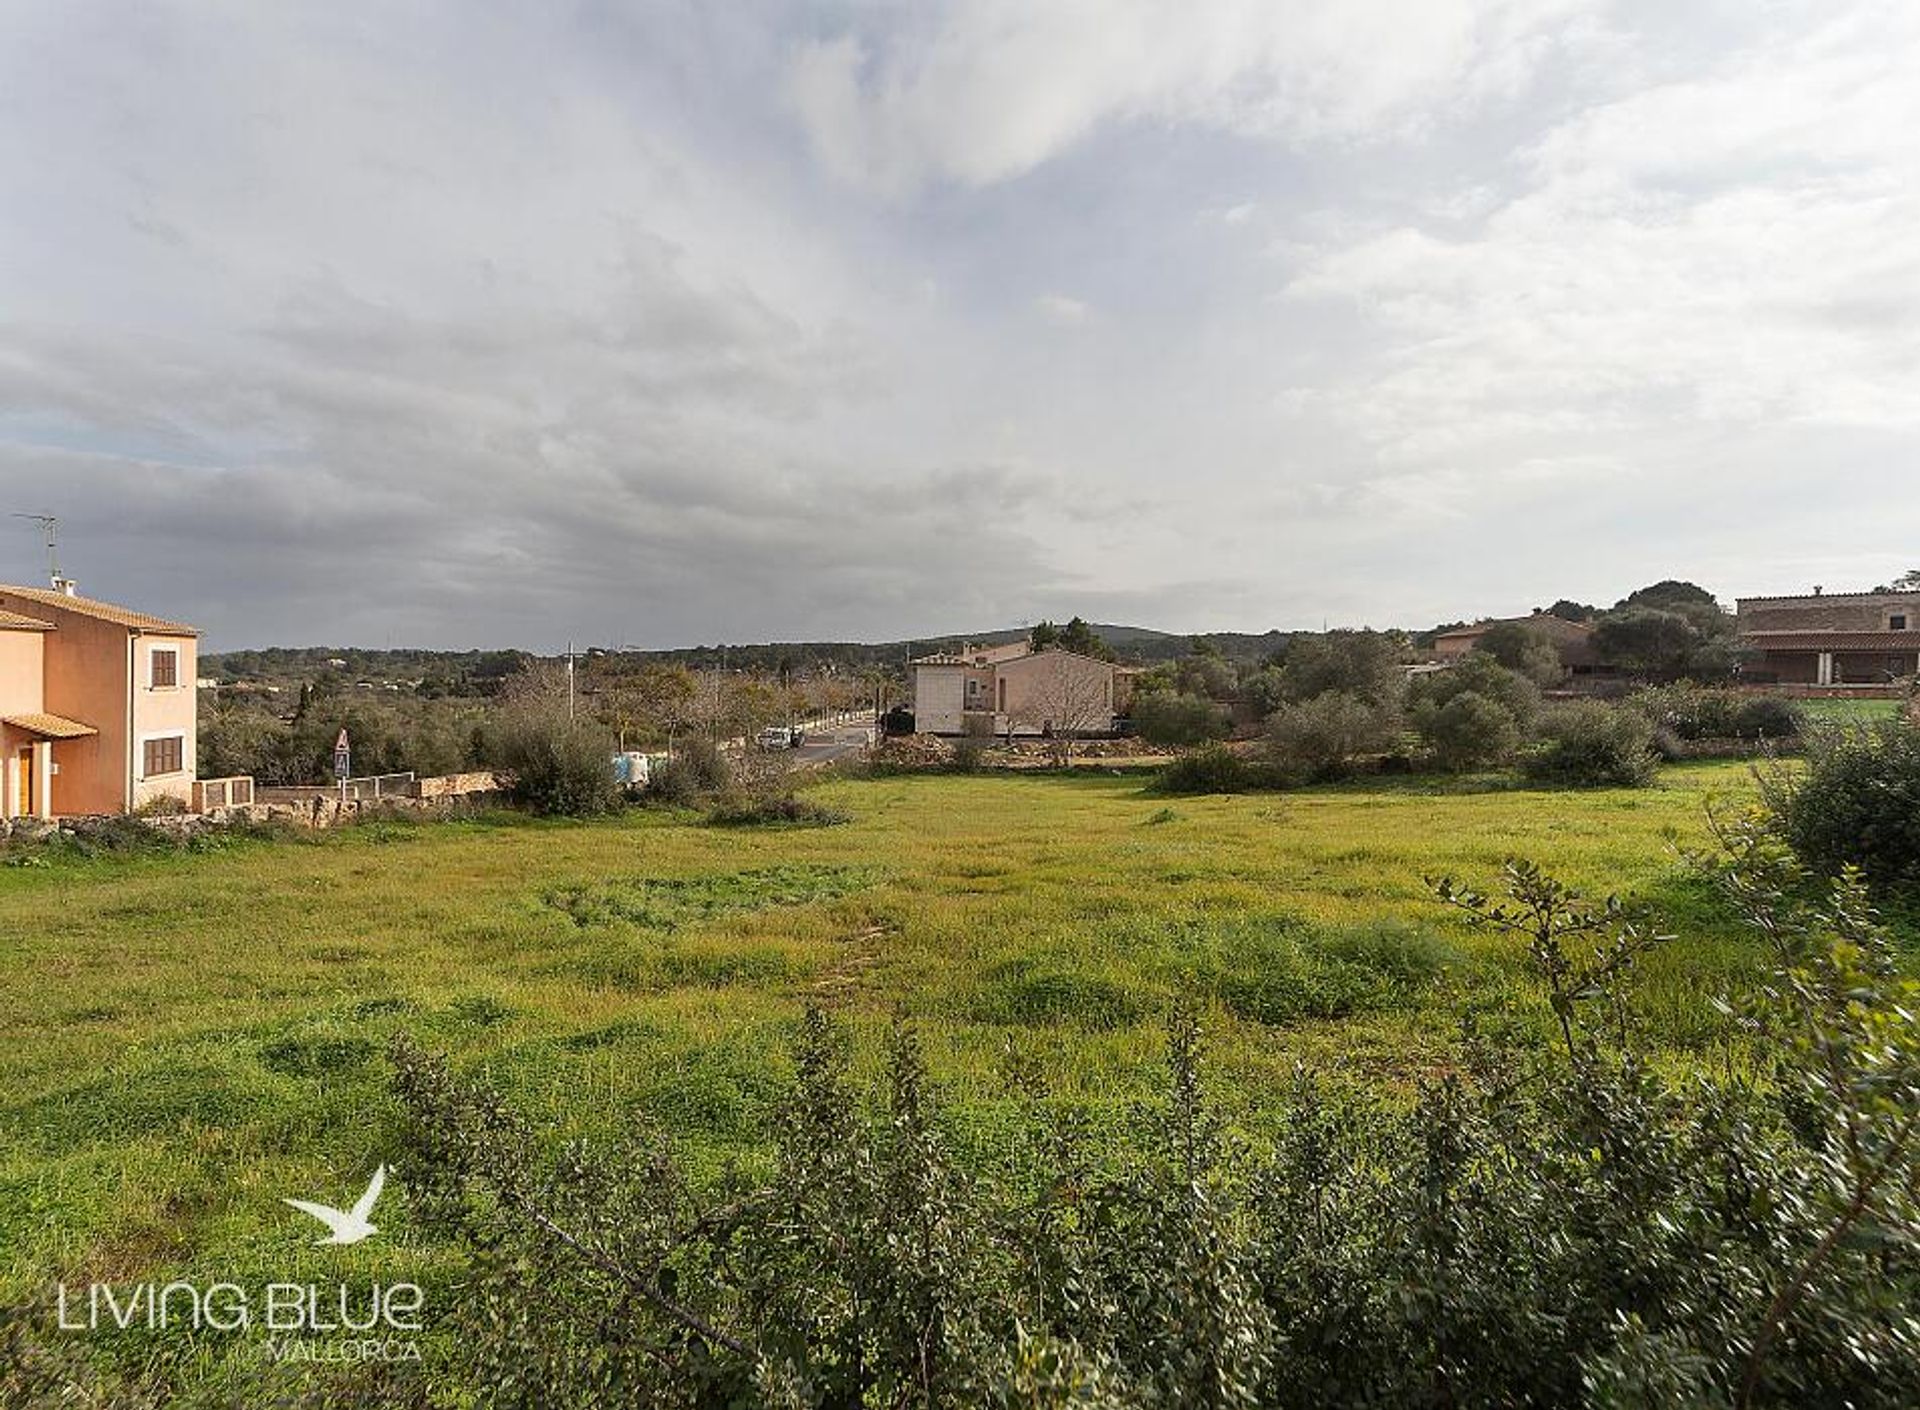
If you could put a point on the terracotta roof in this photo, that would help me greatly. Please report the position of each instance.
(101, 611)
(1537, 619)
(14, 622)
(51, 726)
(1833, 640)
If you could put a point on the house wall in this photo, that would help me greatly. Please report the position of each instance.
(1061, 689)
(87, 681)
(22, 672)
(939, 700)
(164, 710)
(1863, 613)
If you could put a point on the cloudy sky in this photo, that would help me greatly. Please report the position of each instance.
(456, 323)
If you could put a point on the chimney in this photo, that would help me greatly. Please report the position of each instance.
(1817, 589)
(66, 587)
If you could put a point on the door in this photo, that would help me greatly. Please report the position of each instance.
(24, 808)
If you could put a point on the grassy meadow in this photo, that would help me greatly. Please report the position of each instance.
(190, 1037)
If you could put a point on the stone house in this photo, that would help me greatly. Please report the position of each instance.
(98, 710)
(1830, 638)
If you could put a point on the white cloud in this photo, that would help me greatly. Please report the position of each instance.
(1061, 311)
(1000, 86)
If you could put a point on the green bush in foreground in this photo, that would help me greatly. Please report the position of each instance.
(1857, 804)
(1552, 1225)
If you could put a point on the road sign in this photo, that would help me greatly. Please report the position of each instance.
(342, 756)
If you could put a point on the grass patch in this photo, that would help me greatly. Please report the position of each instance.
(667, 904)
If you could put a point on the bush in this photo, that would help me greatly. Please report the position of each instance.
(1320, 738)
(1213, 768)
(969, 753)
(1167, 718)
(560, 767)
(1470, 731)
(1590, 745)
(1766, 717)
(1481, 675)
(697, 770)
(1857, 803)
(773, 810)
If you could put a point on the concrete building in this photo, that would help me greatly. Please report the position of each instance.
(1831, 638)
(98, 710)
(1013, 689)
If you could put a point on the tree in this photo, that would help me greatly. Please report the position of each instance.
(1176, 719)
(1568, 610)
(1483, 676)
(1321, 737)
(1648, 641)
(1908, 581)
(1362, 664)
(1470, 731)
(1525, 649)
(1669, 593)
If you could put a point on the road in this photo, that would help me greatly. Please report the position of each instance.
(826, 745)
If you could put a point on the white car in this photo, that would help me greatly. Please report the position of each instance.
(778, 737)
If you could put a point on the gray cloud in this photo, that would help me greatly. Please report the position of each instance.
(661, 322)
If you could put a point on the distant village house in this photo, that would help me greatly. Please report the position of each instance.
(1013, 689)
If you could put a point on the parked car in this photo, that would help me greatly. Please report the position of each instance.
(782, 737)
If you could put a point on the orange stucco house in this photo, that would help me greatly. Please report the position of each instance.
(98, 709)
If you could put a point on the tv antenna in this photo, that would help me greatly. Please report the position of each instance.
(51, 525)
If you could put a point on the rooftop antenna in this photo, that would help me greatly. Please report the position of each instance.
(51, 525)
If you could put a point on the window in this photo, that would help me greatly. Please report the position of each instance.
(1897, 622)
(164, 756)
(163, 668)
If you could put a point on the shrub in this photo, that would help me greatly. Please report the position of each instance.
(1766, 717)
(1590, 745)
(1213, 768)
(1470, 731)
(1167, 718)
(1857, 803)
(773, 810)
(1321, 737)
(697, 770)
(1481, 675)
(969, 754)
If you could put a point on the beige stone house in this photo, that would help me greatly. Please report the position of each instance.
(1831, 638)
(98, 709)
(1013, 689)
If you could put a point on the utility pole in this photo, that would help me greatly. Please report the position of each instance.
(51, 524)
(569, 678)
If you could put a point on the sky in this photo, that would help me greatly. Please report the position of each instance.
(448, 323)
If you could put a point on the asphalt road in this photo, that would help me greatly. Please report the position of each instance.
(824, 746)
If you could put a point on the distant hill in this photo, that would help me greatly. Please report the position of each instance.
(283, 664)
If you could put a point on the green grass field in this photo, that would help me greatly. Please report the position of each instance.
(190, 1037)
(1849, 712)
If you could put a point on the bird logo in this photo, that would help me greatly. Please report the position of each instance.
(346, 1226)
